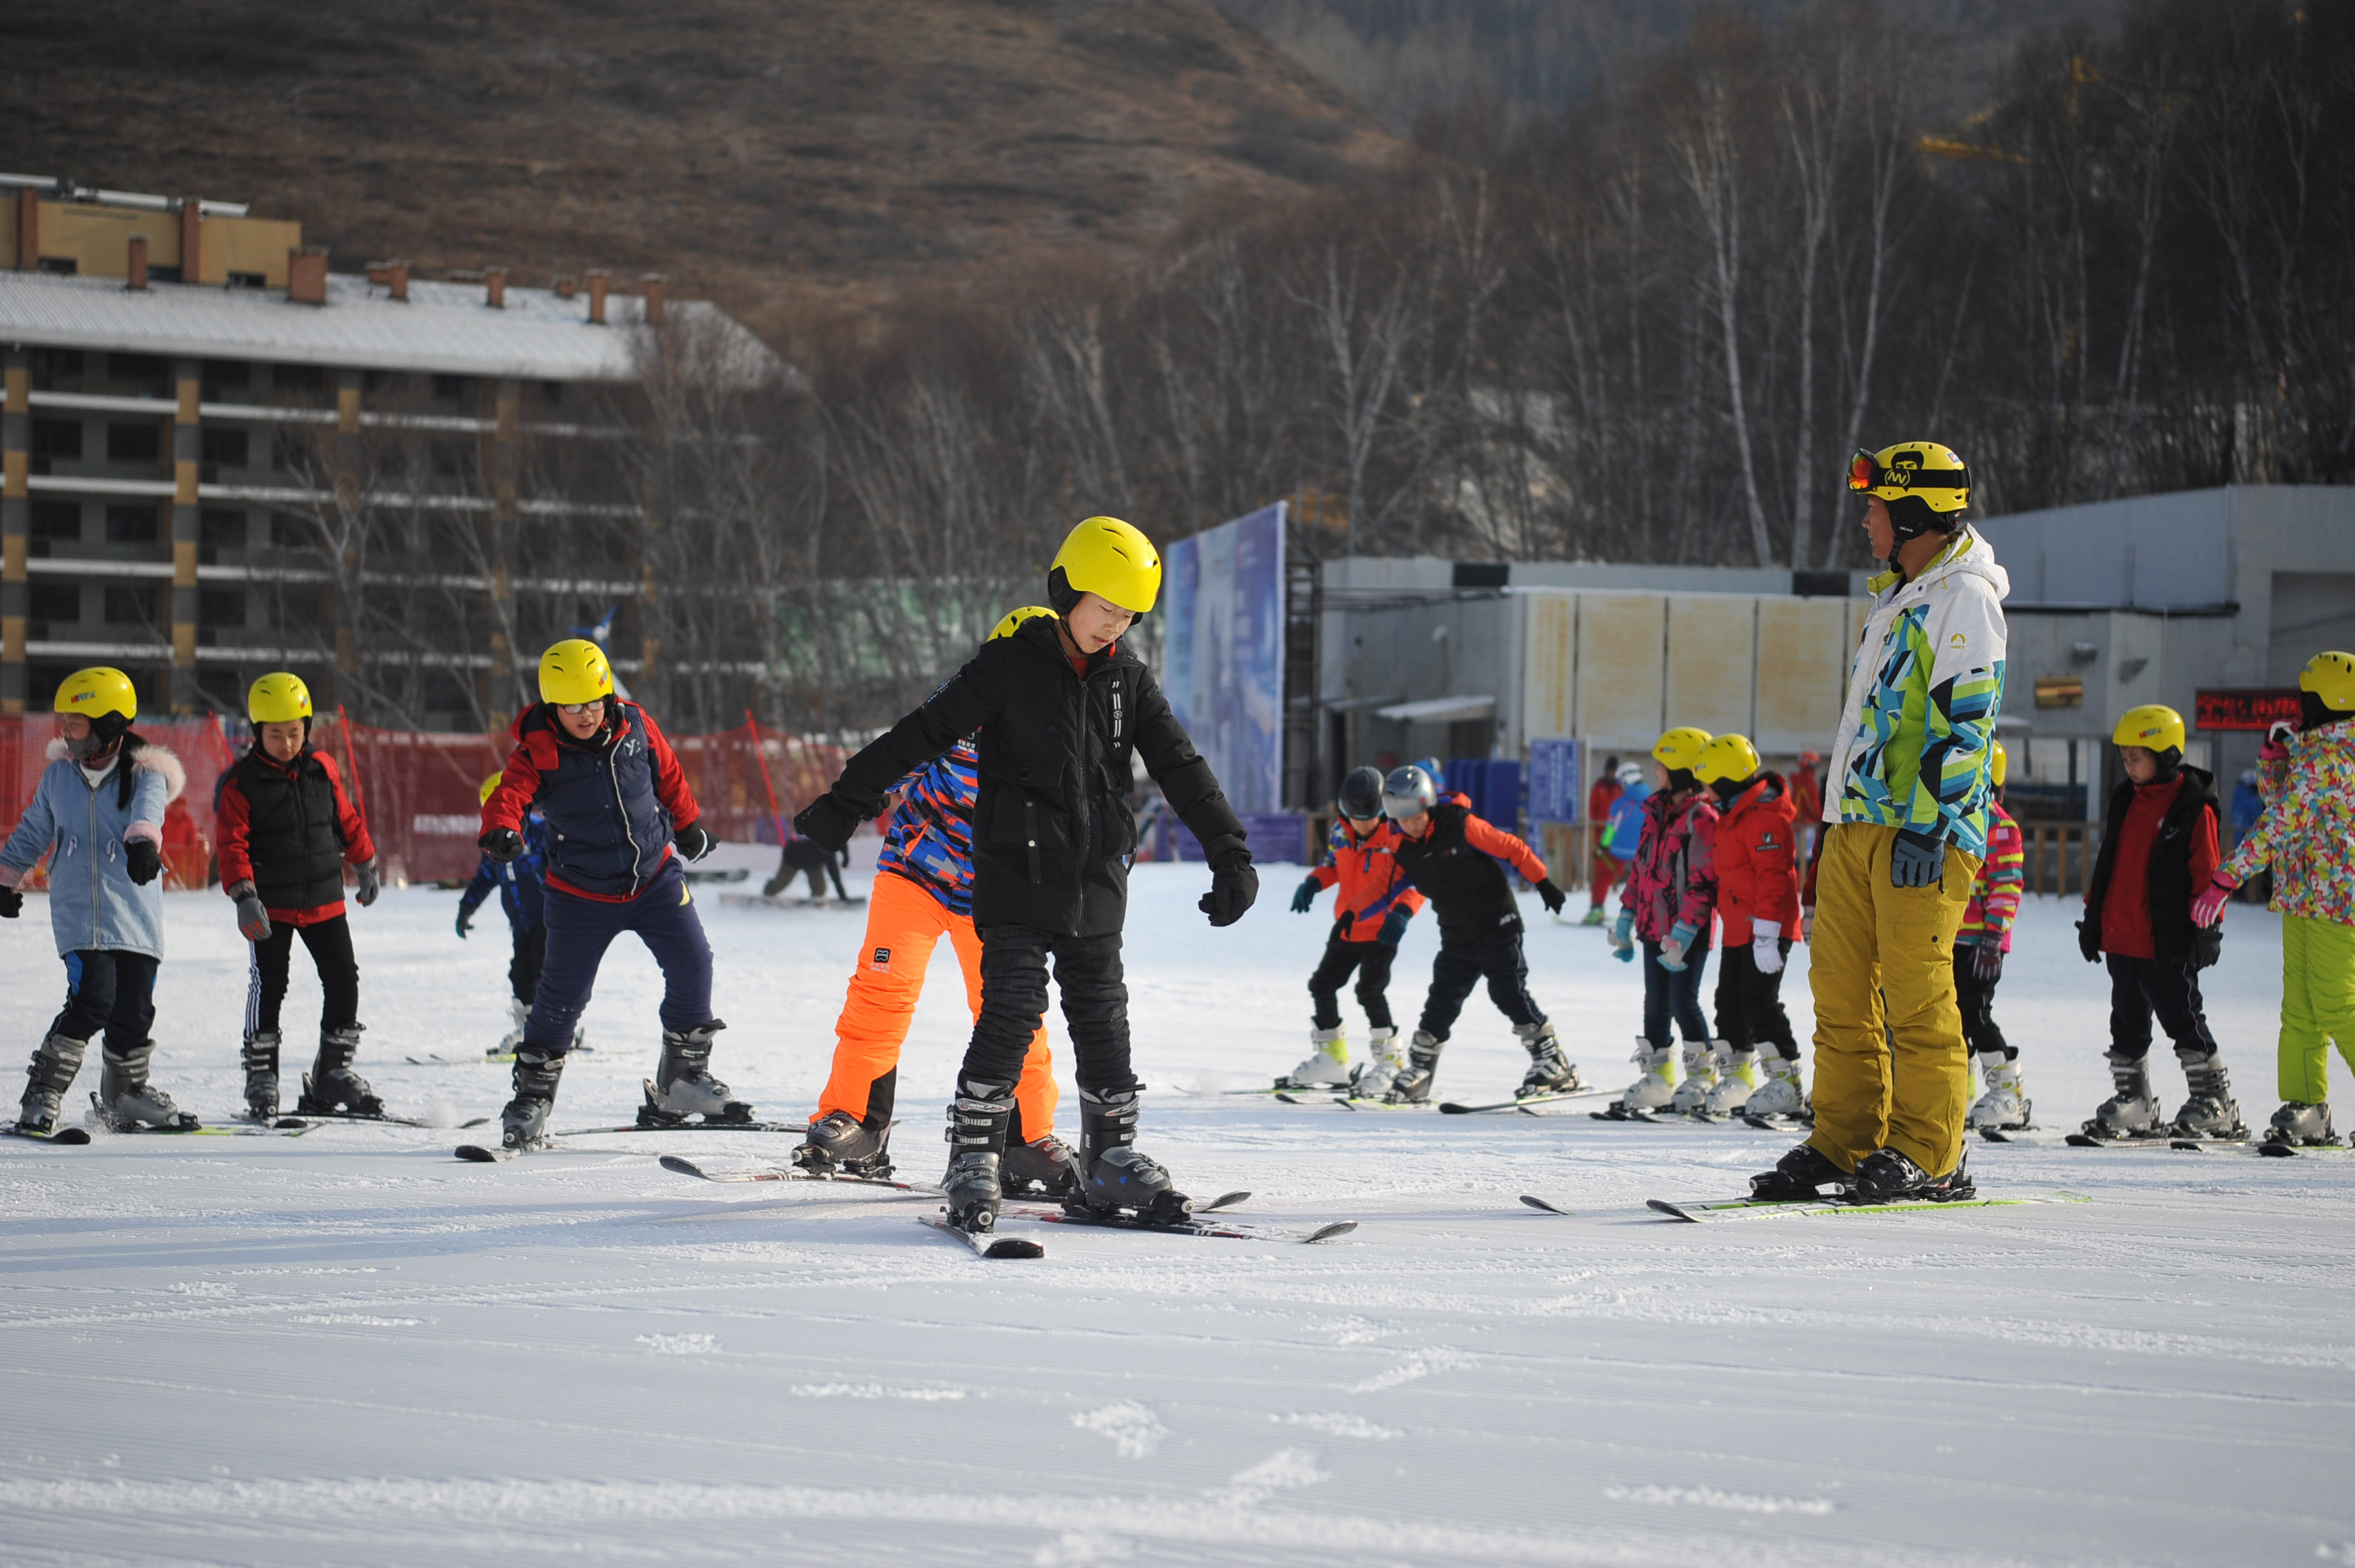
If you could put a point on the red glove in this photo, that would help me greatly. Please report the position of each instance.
(2209, 907)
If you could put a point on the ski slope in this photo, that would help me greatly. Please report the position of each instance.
(347, 1348)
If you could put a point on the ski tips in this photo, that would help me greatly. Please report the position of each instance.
(1543, 1205)
(683, 1167)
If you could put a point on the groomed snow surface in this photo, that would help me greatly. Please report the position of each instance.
(348, 1347)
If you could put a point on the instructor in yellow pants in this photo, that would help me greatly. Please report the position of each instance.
(1905, 809)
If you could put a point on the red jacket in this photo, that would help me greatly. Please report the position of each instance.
(1603, 796)
(1757, 863)
(1372, 883)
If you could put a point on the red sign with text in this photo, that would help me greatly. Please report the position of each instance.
(2245, 708)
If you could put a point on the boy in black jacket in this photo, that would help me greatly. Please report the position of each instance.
(1059, 707)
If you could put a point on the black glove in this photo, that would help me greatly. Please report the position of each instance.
(1394, 926)
(1915, 860)
(693, 842)
(12, 903)
(2089, 941)
(465, 919)
(1987, 958)
(369, 885)
(1304, 895)
(830, 820)
(501, 844)
(1234, 886)
(146, 861)
(1550, 896)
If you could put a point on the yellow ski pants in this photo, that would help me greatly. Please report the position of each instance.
(1891, 1070)
(2318, 1004)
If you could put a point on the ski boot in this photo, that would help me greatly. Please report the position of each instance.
(1373, 1077)
(2210, 1113)
(1043, 1167)
(977, 1136)
(260, 1055)
(1328, 1064)
(1691, 1097)
(521, 1011)
(1595, 915)
(683, 1085)
(331, 1087)
(1655, 1088)
(47, 1078)
(523, 1125)
(1113, 1173)
(1411, 1085)
(1737, 1080)
(1798, 1175)
(126, 1101)
(1783, 1094)
(840, 1144)
(2133, 1111)
(1884, 1176)
(1551, 1073)
(2002, 1105)
(2296, 1124)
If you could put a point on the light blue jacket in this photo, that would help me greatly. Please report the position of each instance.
(93, 902)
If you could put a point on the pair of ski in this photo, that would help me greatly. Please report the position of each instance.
(2268, 1149)
(1526, 1103)
(1720, 1210)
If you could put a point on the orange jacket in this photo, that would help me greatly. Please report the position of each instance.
(1372, 882)
(1757, 866)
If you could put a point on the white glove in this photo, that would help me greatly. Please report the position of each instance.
(1766, 952)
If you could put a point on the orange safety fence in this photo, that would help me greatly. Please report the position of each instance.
(420, 791)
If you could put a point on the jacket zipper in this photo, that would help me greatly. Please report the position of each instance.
(96, 913)
(613, 775)
(1030, 836)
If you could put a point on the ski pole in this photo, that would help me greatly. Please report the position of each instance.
(762, 752)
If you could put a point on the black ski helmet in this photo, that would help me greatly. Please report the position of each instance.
(1408, 793)
(1362, 794)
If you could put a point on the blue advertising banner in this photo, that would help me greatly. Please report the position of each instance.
(1222, 652)
(1555, 794)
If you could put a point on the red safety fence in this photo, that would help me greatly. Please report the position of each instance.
(421, 792)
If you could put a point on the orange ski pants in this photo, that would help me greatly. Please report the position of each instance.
(904, 923)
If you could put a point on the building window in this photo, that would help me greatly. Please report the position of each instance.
(56, 519)
(293, 451)
(56, 438)
(221, 373)
(292, 530)
(140, 442)
(221, 527)
(57, 603)
(222, 447)
(298, 378)
(221, 606)
(450, 388)
(159, 273)
(453, 458)
(248, 280)
(551, 394)
(131, 605)
(60, 266)
(131, 523)
(146, 367)
(51, 365)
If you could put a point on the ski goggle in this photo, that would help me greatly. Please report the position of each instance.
(1863, 473)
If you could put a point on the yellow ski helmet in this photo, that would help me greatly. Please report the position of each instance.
(575, 670)
(278, 697)
(2154, 726)
(1109, 559)
(1680, 747)
(1998, 763)
(1725, 759)
(95, 693)
(2330, 676)
(483, 797)
(1013, 618)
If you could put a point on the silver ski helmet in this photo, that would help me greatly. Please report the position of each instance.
(1362, 794)
(1408, 793)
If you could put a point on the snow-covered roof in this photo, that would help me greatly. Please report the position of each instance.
(442, 327)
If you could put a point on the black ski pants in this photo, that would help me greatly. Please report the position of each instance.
(1498, 961)
(1014, 960)
(1750, 1002)
(531, 957)
(108, 991)
(2142, 987)
(1976, 998)
(1674, 993)
(1371, 963)
(330, 945)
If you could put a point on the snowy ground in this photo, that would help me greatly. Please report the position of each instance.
(347, 1348)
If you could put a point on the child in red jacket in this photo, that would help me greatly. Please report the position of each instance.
(1979, 949)
(1758, 902)
(1369, 917)
(286, 830)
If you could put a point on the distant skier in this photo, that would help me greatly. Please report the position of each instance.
(1754, 852)
(1905, 828)
(1445, 850)
(924, 892)
(522, 892)
(1062, 708)
(1370, 916)
(1979, 950)
(2158, 854)
(98, 811)
(798, 858)
(2308, 838)
(1667, 905)
(617, 803)
(1603, 867)
(287, 829)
